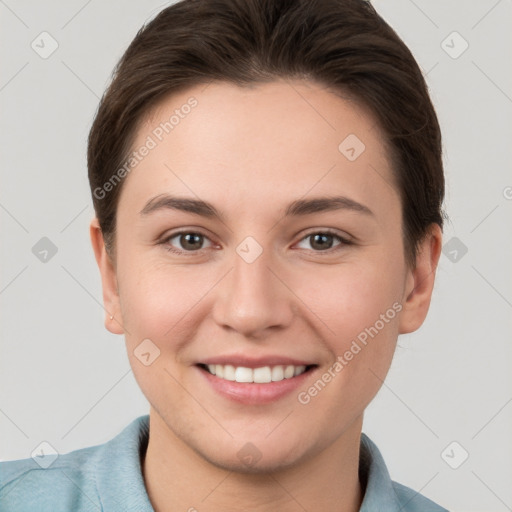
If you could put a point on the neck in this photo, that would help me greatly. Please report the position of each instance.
(178, 478)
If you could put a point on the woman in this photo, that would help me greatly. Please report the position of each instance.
(268, 185)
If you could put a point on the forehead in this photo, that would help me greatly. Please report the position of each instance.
(257, 146)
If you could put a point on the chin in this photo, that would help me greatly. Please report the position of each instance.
(263, 466)
(257, 457)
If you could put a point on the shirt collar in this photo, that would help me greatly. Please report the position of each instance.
(373, 474)
(118, 469)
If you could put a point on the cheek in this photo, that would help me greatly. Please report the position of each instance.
(360, 306)
(158, 299)
(349, 298)
(157, 303)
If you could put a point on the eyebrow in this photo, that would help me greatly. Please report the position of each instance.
(300, 207)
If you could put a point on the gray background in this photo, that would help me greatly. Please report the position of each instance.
(66, 380)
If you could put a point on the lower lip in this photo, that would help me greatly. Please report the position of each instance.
(251, 393)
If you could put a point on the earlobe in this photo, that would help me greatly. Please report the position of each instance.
(113, 318)
(419, 283)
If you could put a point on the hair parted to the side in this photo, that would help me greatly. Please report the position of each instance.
(343, 44)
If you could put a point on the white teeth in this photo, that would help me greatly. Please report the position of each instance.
(277, 373)
(298, 370)
(243, 374)
(229, 372)
(289, 372)
(262, 375)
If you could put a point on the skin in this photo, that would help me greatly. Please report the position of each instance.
(250, 152)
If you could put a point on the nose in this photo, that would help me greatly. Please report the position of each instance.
(253, 298)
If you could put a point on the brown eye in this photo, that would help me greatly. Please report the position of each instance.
(186, 241)
(190, 241)
(322, 241)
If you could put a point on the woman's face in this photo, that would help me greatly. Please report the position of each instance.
(273, 273)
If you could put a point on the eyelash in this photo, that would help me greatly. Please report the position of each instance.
(344, 241)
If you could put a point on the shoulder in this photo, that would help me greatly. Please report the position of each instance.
(67, 483)
(382, 493)
(102, 477)
(413, 501)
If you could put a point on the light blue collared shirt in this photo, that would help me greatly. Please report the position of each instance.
(108, 478)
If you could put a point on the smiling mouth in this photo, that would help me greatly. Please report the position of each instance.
(261, 375)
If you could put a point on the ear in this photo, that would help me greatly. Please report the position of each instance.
(108, 280)
(420, 281)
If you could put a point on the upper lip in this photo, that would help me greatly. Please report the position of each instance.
(255, 362)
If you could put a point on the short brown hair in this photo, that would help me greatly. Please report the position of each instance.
(343, 44)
